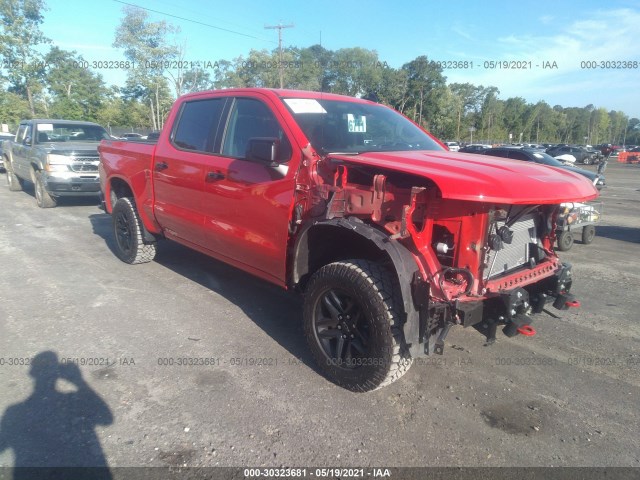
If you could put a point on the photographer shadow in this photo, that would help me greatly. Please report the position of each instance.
(52, 432)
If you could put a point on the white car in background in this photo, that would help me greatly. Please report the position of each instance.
(452, 146)
(566, 159)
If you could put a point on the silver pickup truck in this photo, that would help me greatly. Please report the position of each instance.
(60, 157)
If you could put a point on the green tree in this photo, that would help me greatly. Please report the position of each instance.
(196, 80)
(514, 117)
(617, 124)
(355, 71)
(309, 71)
(490, 114)
(600, 125)
(424, 78)
(147, 44)
(468, 99)
(13, 108)
(225, 75)
(259, 69)
(20, 34)
(632, 132)
(77, 93)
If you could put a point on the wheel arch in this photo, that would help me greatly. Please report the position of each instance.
(118, 187)
(327, 241)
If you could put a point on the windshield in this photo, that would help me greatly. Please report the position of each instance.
(547, 159)
(68, 132)
(334, 126)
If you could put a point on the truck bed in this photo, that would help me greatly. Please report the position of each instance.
(131, 161)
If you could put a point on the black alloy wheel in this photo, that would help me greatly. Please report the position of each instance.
(353, 325)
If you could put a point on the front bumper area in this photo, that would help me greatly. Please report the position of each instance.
(70, 186)
(510, 307)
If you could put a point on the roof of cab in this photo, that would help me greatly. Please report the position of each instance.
(281, 93)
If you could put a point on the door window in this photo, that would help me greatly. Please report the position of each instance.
(251, 118)
(198, 124)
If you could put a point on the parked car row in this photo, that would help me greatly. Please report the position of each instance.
(584, 154)
(532, 155)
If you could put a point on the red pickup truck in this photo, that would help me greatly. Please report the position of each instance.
(391, 238)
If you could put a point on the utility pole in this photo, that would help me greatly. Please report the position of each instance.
(279, 27)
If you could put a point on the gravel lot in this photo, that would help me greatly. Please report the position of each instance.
(567, 397)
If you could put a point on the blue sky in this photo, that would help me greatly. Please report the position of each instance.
(565, 32)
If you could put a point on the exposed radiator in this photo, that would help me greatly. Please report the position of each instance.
(515, 254)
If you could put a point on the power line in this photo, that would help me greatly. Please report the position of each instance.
(279, 27)
(192, 21)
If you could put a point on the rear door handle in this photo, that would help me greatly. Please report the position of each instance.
(215, 176)
(161, 166)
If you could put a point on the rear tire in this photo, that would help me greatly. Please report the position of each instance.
(588, 234)
(353, 325)
(43, 199)
(565, 241)
(16, 184)
(127, 231)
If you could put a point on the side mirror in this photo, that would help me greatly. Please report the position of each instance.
(27, 140)
(264, 150)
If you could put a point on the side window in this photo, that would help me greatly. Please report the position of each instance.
(251, 118)
(198, 124)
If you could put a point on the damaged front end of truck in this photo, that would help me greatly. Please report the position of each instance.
(471, 240)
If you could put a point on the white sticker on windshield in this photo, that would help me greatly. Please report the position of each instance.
(45, 127)
(304, 105)
(357, 123)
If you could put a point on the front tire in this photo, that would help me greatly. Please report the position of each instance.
(588, 234)
(43, 199)
(353, 325)
(565, 241)
(127, 231)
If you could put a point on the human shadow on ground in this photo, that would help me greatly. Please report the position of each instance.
(52, 433)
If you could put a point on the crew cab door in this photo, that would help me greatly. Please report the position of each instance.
(179, 167)
(20, 151)
(247, 203)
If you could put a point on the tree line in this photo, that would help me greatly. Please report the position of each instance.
(62, 84)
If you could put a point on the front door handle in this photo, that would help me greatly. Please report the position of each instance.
(161, 166)
(215, 176)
